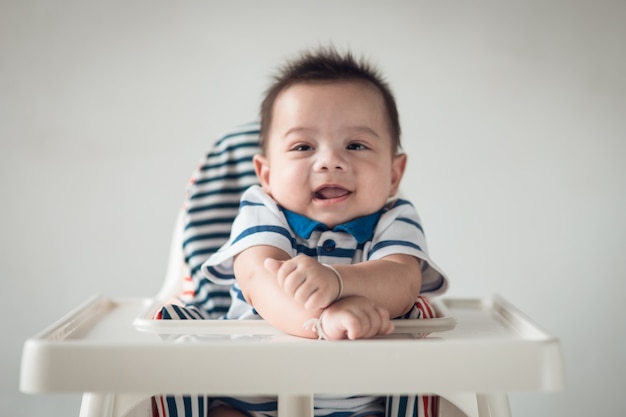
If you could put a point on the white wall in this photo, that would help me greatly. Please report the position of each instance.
(513, 116)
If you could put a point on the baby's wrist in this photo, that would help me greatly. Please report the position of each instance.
(316, 326)
(339, 281)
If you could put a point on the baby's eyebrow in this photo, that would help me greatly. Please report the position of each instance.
(298, 130)
(363, 129)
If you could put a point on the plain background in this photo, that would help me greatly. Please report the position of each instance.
(514, 117)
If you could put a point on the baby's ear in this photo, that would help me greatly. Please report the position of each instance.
(397, 171)
(262, 170)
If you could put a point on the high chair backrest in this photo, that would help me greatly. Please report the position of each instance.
(210, 206)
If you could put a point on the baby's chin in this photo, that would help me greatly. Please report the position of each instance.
(332, 220)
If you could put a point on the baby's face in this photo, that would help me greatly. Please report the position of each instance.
(329, 152)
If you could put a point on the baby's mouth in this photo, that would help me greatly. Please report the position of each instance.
(327, 193)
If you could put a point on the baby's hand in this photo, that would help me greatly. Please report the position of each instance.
(355, 318)
(310, 283)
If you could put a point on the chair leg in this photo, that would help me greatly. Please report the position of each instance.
(474, 405)
(96, 405)
(115, 405)
(493, 405)
(295, 405)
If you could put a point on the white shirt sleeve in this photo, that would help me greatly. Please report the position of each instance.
(259, 222)
(399, 231)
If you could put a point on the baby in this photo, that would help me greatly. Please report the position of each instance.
(319, 249)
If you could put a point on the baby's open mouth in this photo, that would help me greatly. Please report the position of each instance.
(327, 193)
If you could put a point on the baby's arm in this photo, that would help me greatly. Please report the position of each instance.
(392, 282)
(354, 317)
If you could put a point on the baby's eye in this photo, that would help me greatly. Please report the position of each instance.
(356, 147)
(301, 147)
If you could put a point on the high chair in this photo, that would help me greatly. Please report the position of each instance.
(472, 352)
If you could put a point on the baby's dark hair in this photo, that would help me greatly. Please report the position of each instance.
(325, 65)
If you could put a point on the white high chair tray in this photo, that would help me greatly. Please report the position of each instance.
(107, 345)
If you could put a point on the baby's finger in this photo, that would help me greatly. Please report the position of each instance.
(294, 284)
(358, 326)
(284, 270)
(306, 295)
(374, 324)
(386, 326)
(316, 300)
(272, 265)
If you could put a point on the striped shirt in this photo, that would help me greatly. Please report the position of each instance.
(395, 229)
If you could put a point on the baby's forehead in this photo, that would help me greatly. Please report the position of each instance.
(358, 84)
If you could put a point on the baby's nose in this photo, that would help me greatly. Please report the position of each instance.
(330, 160)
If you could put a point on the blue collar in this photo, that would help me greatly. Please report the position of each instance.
(362, 228)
